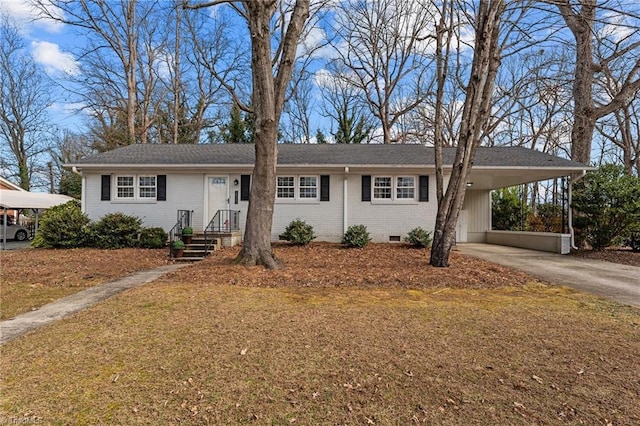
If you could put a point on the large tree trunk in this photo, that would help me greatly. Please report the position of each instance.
(475, 114)
(268, 100)
(584, 124)
(256, 248)
(130, 67)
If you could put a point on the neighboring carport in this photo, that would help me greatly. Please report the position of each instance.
(23, 200)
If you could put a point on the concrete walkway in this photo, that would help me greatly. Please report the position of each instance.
(66, 306)
(610, 280)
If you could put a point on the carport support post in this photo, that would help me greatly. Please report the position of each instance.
(573, 180)
(4, 228)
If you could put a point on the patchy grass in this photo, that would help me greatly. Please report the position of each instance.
(207, 345)
(34, 277)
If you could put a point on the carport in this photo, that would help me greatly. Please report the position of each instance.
(23, 200)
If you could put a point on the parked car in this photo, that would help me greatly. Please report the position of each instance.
(14, 232)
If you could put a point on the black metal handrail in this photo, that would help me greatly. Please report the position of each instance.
(184, 219)
(222, 221)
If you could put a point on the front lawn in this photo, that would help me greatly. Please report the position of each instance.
(325, 342)
(31, 278)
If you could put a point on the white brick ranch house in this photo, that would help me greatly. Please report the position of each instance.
(388, 188)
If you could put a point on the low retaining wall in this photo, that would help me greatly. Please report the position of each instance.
(543, 241)
(229, 238)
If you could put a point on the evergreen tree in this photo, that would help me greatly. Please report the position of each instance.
(320, 137)
(607, 205)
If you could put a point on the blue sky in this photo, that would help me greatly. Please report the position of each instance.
(50, 44)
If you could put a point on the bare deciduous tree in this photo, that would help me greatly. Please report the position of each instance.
(272, 68)
(475, 117)
(581, 18)
(23, 106)
(344, 104)
(385, 45)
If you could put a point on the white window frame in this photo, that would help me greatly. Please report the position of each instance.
(289, 188)
(375, 187)
(301, 187)
(399, 188)
(141, 187)
(393, 189)
(137, 188)
(298, 188)
(118, 187)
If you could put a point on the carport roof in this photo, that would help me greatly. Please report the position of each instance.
(30, 200)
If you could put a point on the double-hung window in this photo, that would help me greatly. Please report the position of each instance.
(382, 187)
(394, 188)
(297, 188)
(147, 186)
(308, 187)
(125, 187)
(286, 187)
(136, 187)
(405, 187)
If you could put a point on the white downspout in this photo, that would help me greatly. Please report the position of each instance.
(75, 170)
(570, 218)
(345, 200)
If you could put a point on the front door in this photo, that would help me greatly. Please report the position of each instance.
(218, 195)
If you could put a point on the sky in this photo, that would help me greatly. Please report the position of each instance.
(50, 44)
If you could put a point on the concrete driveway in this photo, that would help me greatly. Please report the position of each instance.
(610, 280)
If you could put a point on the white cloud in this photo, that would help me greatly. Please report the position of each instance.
(53, 59)
(617, 26)
(25, 15)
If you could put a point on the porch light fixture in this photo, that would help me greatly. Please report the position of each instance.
(469, 184)
(235, 182)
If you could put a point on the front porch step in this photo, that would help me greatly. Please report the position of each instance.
(194, 251)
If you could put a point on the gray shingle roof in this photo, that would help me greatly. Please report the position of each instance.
(319, 155)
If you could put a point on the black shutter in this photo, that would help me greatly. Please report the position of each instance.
(245, 187)
(324, 188)
(105, 188)
(423, 192)
(366, 188)
(161, 194)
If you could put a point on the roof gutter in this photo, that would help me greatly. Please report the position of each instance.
(573, 180)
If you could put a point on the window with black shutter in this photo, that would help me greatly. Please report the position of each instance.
(162, 188)
(245, 187)
(324, 188)
(366, 188)
(105, 188)
(423, 191)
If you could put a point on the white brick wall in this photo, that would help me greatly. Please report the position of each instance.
(187, 191)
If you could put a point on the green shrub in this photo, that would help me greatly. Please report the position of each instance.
(62, 226)
(507, 210)
(187, 230)
(356, 236)
(153, 238)
(607, 205)
(298, 232)
(418, 237)
(178, 245)
(115, 230)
